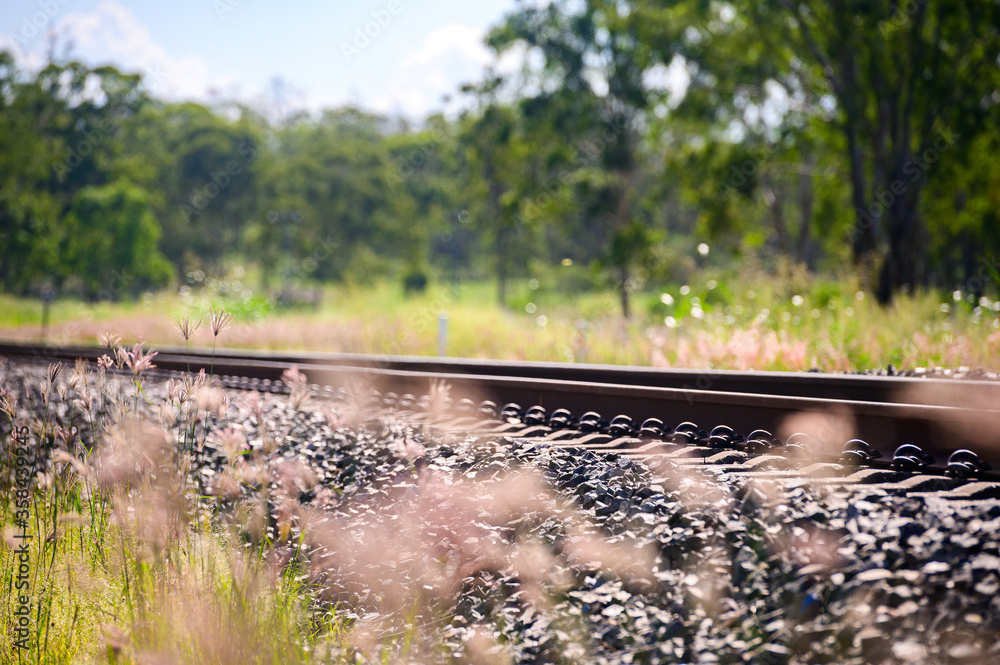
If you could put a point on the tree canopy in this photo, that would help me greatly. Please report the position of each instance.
(821, 133)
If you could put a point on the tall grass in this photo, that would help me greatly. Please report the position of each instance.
(721, 320)
(127, 563)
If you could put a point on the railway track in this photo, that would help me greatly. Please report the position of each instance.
(722, 411)
(760, 545)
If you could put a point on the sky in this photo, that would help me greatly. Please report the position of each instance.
(392, 56)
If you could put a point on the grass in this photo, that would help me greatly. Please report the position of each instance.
(721, 320)
(123, 563)
(100, 592)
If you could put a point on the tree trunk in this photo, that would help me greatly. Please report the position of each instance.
(902, 266)
(804, 246)
(503, 233)
(502, 265)
(973, 284)
(863, 239)
(777, 211)
(623, 213)
(623, 292)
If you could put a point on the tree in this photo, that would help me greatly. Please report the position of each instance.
(906, 81)
(112, 241)
(594, 64)
(496, 155)
(200, 169)
(59, 134)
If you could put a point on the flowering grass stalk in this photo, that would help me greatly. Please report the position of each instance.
(220, 320)
(187, 329)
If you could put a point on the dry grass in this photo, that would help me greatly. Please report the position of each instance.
(137, 559)
(736, 321)
(127, 565)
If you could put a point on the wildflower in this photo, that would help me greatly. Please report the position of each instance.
(84, 400)
(132, 451)
(252, 404)
(232, 441)
(439, 397)
(212, 400)
(166, 415)
(105, 362)
(121, 357)
(137, 361)
(118, 410)
(195, 383)
(79, 373)
(8, 403)
(297, 384)
(176, 391)
(253, 475)
(292, 477)
(51, 374)
(110, 340)
(186, 328)
(226, 485)
(220, 320)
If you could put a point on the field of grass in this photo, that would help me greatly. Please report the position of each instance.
(109, 553)
(720, 321)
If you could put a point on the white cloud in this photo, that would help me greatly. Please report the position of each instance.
(413, 82)
(448, 57)
(32, 61)
(112, 34)
(453, 40)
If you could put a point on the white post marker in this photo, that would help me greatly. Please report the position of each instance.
(442, 333)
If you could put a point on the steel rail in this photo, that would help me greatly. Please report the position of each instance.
(754, 400)
(863, 388)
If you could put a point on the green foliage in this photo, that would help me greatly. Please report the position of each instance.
(112, 242)
(778, 131)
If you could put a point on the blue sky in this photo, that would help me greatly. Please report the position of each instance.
(416, 50)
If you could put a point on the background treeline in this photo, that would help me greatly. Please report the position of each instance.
(826, 134)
